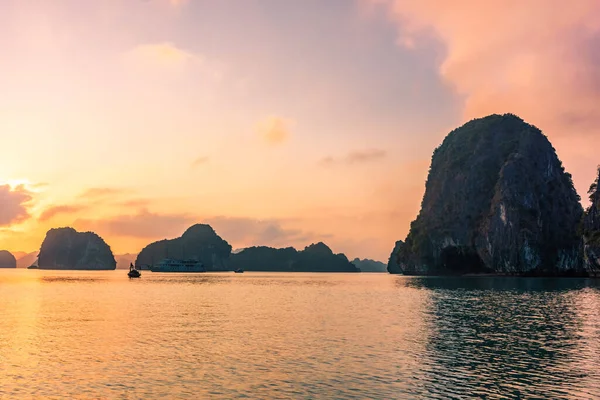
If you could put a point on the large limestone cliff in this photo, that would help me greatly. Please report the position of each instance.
(65, 248)
(199, 242)
(591, 230)
(7, 260)
(497, 200)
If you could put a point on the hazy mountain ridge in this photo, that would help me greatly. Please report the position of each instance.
(368, 265)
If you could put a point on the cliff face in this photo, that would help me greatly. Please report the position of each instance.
(199, 242)
(314, 258)
(497, 200)
(393, 266)
(7, 260)
(65, 248)
(591, 230)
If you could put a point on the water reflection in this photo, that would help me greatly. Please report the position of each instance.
(510, 338)
(66, 334)
(483, 283)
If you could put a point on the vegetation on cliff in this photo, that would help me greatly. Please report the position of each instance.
(591, 229)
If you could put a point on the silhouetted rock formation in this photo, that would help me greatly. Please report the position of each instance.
(199, 242)
(27, 260)
(65, 248)
(367, 265)
(7, 260)
(319, 258)
(591, 230)
(314, 258)
(393, 266)
(264, 258)
(497, 200)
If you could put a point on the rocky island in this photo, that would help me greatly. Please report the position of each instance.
(497, 200)
(7, 260)
(65, 248)
(200, 242)
(314, 258)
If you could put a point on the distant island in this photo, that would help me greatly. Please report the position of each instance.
(367, 265)
(498, 201)
(201, 242)
(27, 259)
(7, 260)
(314, 258)
(65, 248)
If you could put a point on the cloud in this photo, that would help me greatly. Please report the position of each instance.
(365, 156)
(327, 161)
(355, 157)
(135, 203)
(144, 224)
(514, 56)
(274, 130)
(13, 204)
(161, 56)
(100, 193)
(51, 212)
(200, 161)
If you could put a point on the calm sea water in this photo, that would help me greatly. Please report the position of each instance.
(285, 335)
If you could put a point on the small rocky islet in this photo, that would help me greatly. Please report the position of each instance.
(498, 201)
(7, 259)
(67, 249)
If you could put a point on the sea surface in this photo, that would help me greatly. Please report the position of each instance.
(67, 334)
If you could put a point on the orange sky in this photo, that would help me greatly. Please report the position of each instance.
(278, 123)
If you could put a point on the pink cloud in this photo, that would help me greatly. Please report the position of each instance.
(51, 212)
(13, 204)
(274, 130)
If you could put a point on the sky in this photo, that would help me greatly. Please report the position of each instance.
(277, 122)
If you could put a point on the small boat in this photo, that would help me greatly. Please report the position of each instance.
(239, 271)
(133, 272)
